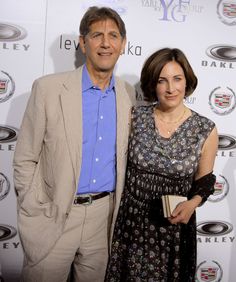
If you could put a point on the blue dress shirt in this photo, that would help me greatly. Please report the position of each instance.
(98, 170)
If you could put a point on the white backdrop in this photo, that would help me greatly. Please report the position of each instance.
(41, 37)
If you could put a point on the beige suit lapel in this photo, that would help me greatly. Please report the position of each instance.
(123, 109)
(123, 118)
(71, 102)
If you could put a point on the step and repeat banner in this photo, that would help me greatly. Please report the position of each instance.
(41, 37)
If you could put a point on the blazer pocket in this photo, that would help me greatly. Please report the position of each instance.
(29, 206)
(50, 209)
(33, 206)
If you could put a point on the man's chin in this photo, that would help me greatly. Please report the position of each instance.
(106, 69)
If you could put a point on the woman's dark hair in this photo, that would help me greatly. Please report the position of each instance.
(154, 64)
(95, 14)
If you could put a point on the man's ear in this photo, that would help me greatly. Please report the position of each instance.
(82, 43)
(123, 46)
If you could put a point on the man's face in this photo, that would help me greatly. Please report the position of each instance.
(102, 46)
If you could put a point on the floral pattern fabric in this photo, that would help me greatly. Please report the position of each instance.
(145, 246)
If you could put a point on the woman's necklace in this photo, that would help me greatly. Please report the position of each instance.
(170, 126)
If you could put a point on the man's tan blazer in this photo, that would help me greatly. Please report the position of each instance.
(48, 156)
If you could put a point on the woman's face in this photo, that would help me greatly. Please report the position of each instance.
(171, 85)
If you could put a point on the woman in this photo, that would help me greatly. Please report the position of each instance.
(171, 151)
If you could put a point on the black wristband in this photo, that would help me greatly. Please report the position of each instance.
(203, 187)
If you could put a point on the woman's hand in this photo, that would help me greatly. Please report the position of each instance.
(183, 212)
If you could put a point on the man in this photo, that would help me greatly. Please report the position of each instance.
(71, 156)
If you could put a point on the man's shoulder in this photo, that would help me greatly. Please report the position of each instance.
(129, 89)
(53, 85)
(56, 77)
(123, 81)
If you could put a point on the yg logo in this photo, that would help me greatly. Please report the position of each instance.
(174, 9)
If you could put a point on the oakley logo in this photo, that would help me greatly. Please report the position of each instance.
(7, 232)
(11, 32)
(226, 142)
(214, 228)
(222, 52)
(8, 134)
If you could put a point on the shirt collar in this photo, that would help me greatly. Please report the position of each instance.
(87, 83)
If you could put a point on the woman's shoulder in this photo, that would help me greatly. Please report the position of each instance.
(143, 109)
(203, 120)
